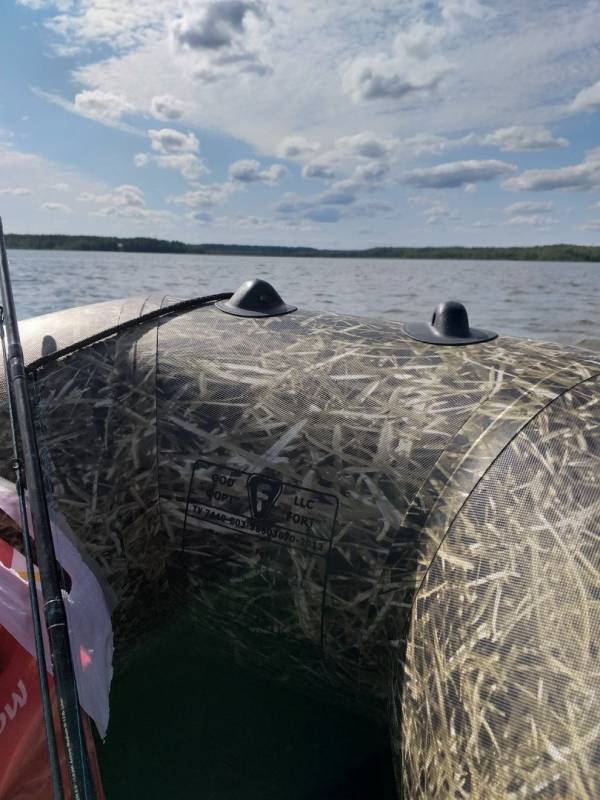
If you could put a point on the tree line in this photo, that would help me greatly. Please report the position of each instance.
(140, 244)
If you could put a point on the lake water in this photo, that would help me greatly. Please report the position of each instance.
(545, 300)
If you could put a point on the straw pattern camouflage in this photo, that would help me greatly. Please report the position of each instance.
(294, 483)
(501, 691)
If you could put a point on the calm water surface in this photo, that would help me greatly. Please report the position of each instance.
(553, 301)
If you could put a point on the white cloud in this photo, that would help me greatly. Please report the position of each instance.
(579, 177)
(439, 213)
(297, 147)
(529, 207)
(587, 99)
(453, 10)
(216, 25)
(205, 196)
(320, 168)
(56, 207)
(411, 67)
(457, 173)
(190, 166)
(221, 38)
(336, 197)
(124, 195)
(534, 220)
(248, 171)
(326, 214)
(136, 214)
(103, 106)
(114, 23)
(61, 187)
(374, 172)
(367, 145)
(17, 191)
(168, 140)
(174, 150)
(36, 5)
(591, 225)
(428, 143)
(166, 107)
(516, 138)
(529, 62)
(125, 202)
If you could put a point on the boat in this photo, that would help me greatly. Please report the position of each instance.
(401, 518)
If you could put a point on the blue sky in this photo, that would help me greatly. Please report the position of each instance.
(336, 124)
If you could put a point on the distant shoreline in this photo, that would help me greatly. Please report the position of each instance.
(553, 252)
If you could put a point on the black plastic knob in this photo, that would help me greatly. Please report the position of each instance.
(255, 298)
(449, 326)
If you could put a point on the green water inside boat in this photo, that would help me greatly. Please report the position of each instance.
(185, 723)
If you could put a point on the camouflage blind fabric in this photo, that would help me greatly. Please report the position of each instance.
(409, 529)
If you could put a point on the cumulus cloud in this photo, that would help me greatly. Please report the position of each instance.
(205, 196)
(36, 5)
(190, 166)
(166, 107)
(59, 208)
(454, 9)
(516, 138)
(297, 147)
(374, 172)
(124, 202)
(114, 23)
(587, 99)
(136, 214)
(457, 173)
(336, 197)
(218, 37)
(249, 171)
(411, 67)
(534, 220)
(216, 25)
(529, 207)
(326, 214)
(174, 150)
(367, 145)
(124, 195)
(591, 225)
(105, 107)
(168, 140)
(513, 139)
(102, 105)
(427, 143)
(17, 191)
(328, 206)
(579, 177)
(439, 213)
(141, 159)
(319, 168)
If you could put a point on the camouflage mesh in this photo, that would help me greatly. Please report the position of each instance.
(343, 452)
(501, 692)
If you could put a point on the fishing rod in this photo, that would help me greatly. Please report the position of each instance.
(57, 788)
(54, 609)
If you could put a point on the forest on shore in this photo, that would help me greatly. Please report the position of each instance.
(551, 252)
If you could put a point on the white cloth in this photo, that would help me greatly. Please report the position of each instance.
(88, 616)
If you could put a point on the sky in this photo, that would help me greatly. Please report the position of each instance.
(329, 123)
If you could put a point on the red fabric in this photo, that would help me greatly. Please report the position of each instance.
(24, 765)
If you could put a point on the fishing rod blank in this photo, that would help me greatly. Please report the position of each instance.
(54, 608)
(57, 789)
